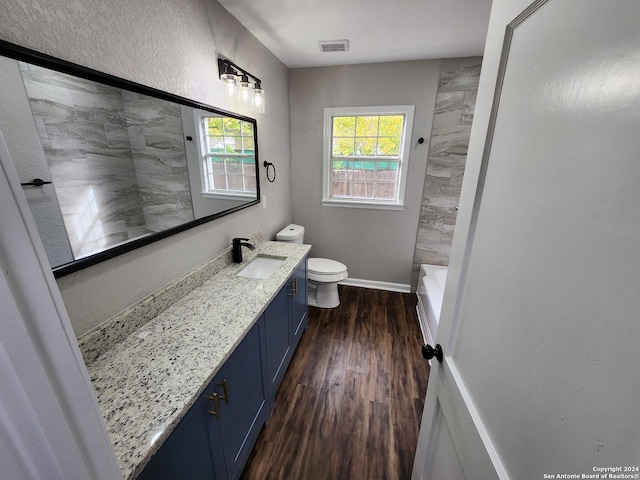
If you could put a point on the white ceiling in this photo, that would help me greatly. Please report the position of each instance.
(378, 30)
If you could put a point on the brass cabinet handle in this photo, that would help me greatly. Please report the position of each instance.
(216, 405)
(223, 384)
(293, 287)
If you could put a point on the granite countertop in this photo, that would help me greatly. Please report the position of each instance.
(147, 382)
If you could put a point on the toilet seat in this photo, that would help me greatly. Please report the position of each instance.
(326, 270)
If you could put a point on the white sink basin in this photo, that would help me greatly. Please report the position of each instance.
(261, 267)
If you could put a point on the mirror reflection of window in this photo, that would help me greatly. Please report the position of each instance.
(228, 156)
(89, 233)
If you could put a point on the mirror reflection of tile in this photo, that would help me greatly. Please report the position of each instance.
(116, 158)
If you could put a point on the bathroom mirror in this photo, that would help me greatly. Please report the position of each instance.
(128, 164)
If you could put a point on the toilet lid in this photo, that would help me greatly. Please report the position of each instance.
(324, 266)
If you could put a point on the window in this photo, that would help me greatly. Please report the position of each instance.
(228, 157)
(366, 156)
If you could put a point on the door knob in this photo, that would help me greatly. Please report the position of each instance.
(429, 352)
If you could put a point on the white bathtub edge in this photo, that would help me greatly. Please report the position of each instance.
(429, 294)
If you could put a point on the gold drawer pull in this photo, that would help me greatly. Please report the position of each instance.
(293, 287)
(223, 384)
(216, 405)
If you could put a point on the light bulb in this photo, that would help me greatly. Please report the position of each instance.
(229, 76)
(258, 98)
(230, 80)
(245, 89)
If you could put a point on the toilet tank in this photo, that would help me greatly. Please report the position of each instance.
(291, 233)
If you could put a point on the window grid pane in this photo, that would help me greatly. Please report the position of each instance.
(369, 179)
(233, 174)
(358, 143)
(378, 135)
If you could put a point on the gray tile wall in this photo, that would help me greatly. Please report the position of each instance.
(155, 131)
(452, 120)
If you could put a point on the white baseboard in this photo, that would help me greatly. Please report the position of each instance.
(391, 287)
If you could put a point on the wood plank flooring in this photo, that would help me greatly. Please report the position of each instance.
(350, 405)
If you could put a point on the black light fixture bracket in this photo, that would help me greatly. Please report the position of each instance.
(224, 66)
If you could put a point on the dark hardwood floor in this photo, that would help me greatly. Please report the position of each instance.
(350, 405)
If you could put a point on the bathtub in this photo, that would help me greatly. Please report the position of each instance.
(430, 293)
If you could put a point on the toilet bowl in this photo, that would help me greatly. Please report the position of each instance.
(323, 274)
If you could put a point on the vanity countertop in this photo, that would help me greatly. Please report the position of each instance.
(146, 383)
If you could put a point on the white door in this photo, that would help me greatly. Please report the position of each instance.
(51, 426)
(541, 319)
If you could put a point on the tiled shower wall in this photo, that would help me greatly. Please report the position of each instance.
(452, 120)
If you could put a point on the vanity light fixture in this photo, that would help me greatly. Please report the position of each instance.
(234, 76)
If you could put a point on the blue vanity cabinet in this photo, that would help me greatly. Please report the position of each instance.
(285, 320)
(278, 338)
(216, 436)
(299, 303)
(186, 453)
(240, 410)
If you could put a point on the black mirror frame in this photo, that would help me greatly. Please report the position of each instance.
(19, 53)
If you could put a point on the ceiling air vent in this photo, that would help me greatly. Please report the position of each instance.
(333, 45)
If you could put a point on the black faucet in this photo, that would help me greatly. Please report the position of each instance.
(238, 243)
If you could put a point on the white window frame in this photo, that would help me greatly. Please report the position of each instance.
(403, 158)
(204, 156)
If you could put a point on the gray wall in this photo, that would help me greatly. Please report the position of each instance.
(171, 45)
(452, 121)
(375, 245)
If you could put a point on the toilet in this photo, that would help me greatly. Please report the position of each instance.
(323, 274)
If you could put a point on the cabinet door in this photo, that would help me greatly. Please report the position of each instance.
(299, 303)
(186, 453)
(278, 337)
(241, 406)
